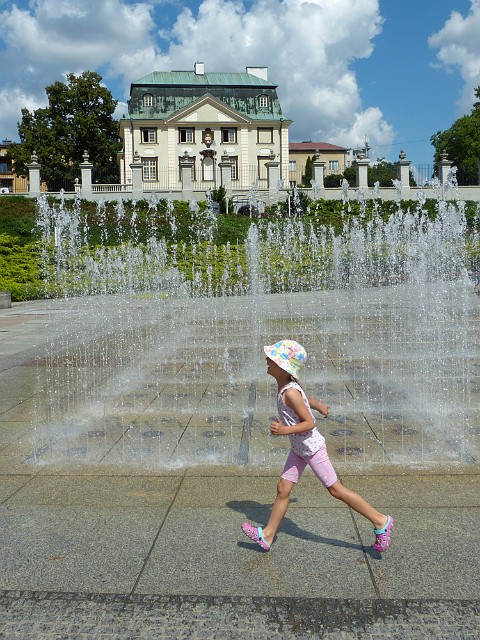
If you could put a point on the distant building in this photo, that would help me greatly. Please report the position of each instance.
(9, 181)
(206, 117)
(334, 157)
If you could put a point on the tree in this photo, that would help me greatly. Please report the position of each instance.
(461, 144)
(350, 175)
(78, 118)
(306, 179)
(383, 172)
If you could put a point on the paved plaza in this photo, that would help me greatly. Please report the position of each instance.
(134, 441)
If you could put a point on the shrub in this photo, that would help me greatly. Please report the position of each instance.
(19, 270)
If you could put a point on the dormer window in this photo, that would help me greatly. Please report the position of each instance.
(148, 100)
(263, 101)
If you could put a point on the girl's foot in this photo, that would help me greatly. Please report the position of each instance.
(382, 536)
(255, 534)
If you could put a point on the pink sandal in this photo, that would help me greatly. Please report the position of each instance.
(255, 534)
(382, 536)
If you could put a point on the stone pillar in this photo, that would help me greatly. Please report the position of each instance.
(226, 173)
(361, 165)
(403, 174)
(34, 175)
(318, 173)
(443, 168)
(186, 171)
(86, 168)
(137, 177)
(5, 299)
(273, 176)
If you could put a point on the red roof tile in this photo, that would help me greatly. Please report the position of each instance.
(313, 146)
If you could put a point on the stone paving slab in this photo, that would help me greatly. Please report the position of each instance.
(433, 556)
(97, 492)
(97, 539)
(43, 616)
(204, 552)
(67, 548)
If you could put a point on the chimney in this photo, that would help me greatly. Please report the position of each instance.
(199, 68)
(259, 72)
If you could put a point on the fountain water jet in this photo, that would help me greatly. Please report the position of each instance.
(157, 369)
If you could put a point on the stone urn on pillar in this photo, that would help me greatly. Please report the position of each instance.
(34, 175)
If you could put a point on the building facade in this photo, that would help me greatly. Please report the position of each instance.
(205, 119)
(334, 157)
(9, 181)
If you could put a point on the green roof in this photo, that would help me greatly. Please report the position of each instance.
(176, 90)
(206, 79)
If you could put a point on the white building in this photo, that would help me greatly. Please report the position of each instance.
(205, 118)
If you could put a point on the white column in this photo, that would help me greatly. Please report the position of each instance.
(225, 165)
(318, 173)
(186, 168)
(361, 165)
(86, 168)
(137, 177)
(34, 176)
(443, 167)
(403, 174)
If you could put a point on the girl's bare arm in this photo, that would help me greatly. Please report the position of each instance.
(293, 398)
(319, 406)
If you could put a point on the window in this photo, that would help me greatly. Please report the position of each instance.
(234, 161)
(148, 135)
(292, 165)
(229, 135)
(186, 135)
(149, 168)
(333, 165)
(3, 167)
(263, 102)
(264, 136)
(148, 100)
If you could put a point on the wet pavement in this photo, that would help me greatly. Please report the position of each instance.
(122, 494)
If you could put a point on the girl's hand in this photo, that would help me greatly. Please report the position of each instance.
(323, 408)
(276, 427)
(319, 406)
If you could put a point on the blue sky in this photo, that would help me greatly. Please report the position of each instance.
(395, 72)
(404, 78)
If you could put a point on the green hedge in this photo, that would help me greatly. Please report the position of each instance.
(184, 234)
(19, 269)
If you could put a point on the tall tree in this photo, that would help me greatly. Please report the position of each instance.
(461, 144)
(308, 172)
(78, 118)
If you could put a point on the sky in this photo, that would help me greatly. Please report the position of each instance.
(393, 72)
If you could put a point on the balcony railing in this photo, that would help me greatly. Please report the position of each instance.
(111, 188)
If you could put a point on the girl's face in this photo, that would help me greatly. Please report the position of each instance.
(273, 369)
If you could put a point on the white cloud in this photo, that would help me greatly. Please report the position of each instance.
(308, 47)
(369, 120)
(59, 35)
(458, 43)
(45, 40)
(12, 101)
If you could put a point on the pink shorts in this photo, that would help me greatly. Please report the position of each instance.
(320, 463)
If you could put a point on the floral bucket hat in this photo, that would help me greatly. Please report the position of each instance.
(288, 354)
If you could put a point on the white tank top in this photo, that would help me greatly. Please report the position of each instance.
(308, 442)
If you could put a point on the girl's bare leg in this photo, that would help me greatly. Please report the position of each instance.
(358, 504)
(279, 509)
